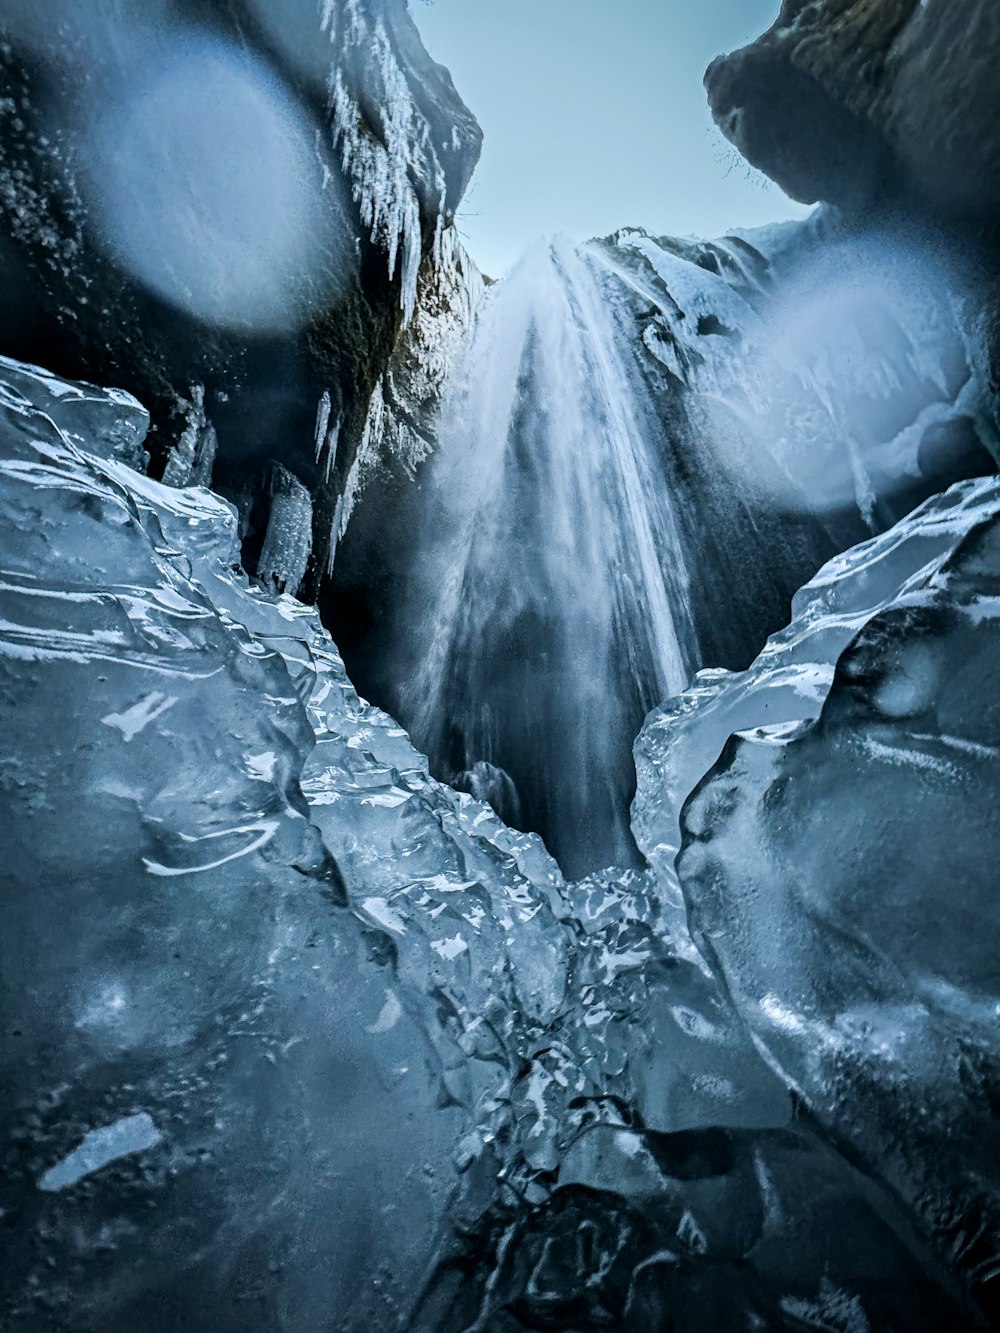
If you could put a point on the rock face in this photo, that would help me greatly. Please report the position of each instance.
(855, 100)
(288, 1028)
(228, 211)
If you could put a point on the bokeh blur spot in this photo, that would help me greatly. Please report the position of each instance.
(210, 186)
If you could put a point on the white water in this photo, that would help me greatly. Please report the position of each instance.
(549, 611)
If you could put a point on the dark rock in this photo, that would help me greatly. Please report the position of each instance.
(853, 100)
(251, 344)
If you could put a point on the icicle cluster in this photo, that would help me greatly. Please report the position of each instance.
(382, 170)
(327, 434)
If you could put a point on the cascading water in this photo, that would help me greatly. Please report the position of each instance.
(550, 608)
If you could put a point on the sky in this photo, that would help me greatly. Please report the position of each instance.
(595, 118)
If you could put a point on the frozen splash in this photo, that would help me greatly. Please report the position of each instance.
(551, 609)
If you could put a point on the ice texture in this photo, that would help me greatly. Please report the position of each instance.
(838, 860)
(109, 422)
(294, 1037)
(288, 540)
(172, 945)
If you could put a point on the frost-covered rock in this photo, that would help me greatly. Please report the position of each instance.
(291, 1029)
(838, 858)
(229, 211)
(413, 163)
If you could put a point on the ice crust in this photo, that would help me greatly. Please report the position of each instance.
(838, 860)
(305, 1039)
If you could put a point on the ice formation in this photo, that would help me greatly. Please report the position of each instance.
(383, 169)
(838, 859)
(288, 540)
(317, 1034)
(193, 457)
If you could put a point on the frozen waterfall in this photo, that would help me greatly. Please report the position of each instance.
(549, 610)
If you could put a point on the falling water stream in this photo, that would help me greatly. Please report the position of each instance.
(550, 611)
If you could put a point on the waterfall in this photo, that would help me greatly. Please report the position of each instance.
(549, 610)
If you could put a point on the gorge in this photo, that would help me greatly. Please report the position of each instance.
(628, 960)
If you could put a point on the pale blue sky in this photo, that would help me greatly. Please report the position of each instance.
(595, 117)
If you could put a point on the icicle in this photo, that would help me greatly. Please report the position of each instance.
(322, 421)
(332, 441)
(365, 460)
(382, 172)
(327, 436)
(335, 531)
